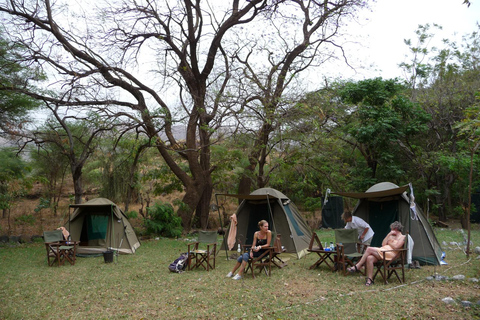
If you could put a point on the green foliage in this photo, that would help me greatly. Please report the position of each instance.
(162, 220)
(43, 204)
(132, 214)
(312, 204)
(163, 179)
(27, 219)
(229, 163)
(13, 177)
(14, 105)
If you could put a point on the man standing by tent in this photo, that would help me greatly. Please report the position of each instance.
(365, 232)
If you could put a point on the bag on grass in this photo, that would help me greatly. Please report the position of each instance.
(179, 264)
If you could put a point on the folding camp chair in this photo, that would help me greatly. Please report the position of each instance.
(277, 250)
(324, 256)
(203, 257)
(263, 262)
(347, 254)
(387, 268)
(59, 250)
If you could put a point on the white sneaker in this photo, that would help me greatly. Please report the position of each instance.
(237, 277)
(230, 274)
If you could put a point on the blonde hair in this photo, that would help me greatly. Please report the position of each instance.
(262, 222)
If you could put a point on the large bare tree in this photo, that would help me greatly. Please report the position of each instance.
(302, 35)
(158, 63)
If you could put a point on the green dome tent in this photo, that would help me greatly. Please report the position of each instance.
(385, 203)
(100, 225)
(282, 215)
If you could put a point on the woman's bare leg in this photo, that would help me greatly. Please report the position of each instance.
(242, 268)
(236, 267)
(371, 260)
(371, 251)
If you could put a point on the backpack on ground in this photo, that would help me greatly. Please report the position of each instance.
(180, 264)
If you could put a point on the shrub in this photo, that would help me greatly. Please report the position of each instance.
(25, 219)
(162, 220)
(132, 214)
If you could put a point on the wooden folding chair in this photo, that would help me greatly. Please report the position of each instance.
(347, 254)
(277, 250)
(324, 256)
(262, 262)
(59, 250)
(388, 268)
(198, 257)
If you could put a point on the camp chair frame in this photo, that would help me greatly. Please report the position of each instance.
(323, 255)
(347, 254)
(205, 258)
(388, 268)
(59, 250)
(277, 249)
(262, 262)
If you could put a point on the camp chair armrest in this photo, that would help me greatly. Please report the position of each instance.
(211, 247)
(192, 244)
(268, 251)
(395, 250)
(246, 247)
(340, 249)
(53, 244)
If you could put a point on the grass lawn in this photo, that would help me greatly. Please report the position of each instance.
(140, 286)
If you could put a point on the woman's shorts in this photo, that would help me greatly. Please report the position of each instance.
(244, 257)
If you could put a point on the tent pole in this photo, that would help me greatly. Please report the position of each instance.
(112, 238)
(221, 226)
(69, 228)
(271, 214)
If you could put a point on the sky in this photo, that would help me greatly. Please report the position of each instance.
(390, 22)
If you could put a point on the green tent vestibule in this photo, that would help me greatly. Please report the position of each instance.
(100, 225)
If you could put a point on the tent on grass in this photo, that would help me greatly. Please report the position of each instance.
(385, 203)
(282, 215)
(100, 225)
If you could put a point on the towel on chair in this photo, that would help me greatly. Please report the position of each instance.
(64, 232)
(233, 232)
(410, 245)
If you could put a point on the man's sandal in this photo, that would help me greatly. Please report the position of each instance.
(369, 282)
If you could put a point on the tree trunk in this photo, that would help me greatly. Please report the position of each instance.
(258, 150)
(77, 183)
(185, 212)
(244, 186)
(203, 207)
(131, 177)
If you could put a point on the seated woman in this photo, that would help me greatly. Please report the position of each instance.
(261, 239)
(394, 240)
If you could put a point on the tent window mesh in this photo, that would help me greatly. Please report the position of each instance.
(293, 220)
(97, 227)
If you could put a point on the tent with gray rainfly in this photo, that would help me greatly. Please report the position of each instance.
(282, 215)
(385, 203)
(101, 225)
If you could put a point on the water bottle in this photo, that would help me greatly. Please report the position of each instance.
(239, 249)
(331, 246)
